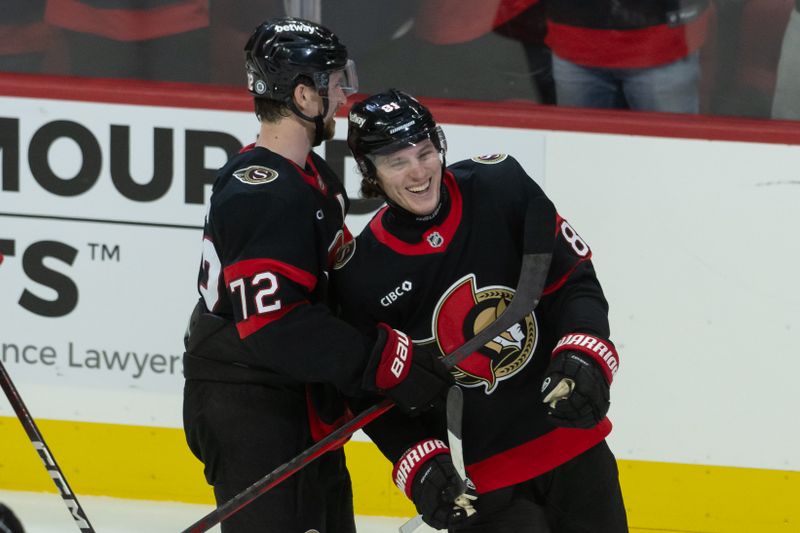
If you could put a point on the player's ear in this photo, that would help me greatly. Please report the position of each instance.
(304, 99)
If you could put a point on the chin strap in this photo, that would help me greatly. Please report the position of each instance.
(319, 120)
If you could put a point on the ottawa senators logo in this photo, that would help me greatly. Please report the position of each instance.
(255, 175)
(490, 159)
(463, 311)
(341, 249)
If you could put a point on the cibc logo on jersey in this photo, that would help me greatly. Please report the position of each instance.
(473, 309)
(396, 293)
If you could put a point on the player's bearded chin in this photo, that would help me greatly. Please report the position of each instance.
(330, 129)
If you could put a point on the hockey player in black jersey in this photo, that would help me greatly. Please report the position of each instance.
(264, 352)
(440, 262)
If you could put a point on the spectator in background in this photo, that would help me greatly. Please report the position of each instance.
(525, 21)
(144, 39)
(439, 48)
(232, 23)
(786, 103)
(628, 53)
(24, 37)
(471, 23)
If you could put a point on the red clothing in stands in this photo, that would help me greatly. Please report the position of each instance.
(458, 21)
(594, 34)
(113, 19)
(22, 30)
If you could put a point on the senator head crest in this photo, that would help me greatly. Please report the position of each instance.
(462, 312)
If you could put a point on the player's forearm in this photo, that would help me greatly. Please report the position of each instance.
(394, 432)
(311, 345)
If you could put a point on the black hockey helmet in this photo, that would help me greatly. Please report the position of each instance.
(283, 51)
(387, 122)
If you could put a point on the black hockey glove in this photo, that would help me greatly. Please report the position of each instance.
(425, 473)
(577, 383)
(411, 375)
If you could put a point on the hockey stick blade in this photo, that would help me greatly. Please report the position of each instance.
(36, 438)
(537, 245)
(455, 414)
(454, 410)
(413, 525)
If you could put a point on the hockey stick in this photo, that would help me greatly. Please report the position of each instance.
(537, 247)
(413, 525)
(25, 418)
(455, 411)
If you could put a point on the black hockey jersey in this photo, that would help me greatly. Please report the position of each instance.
(273, 231)
(440, 281)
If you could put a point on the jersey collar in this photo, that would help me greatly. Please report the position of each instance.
(311, 177)
(435, 239)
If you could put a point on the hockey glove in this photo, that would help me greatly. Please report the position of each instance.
(409, 374)
(425, 473)
(577, 383)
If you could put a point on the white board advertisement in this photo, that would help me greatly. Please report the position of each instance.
(101, 211)
(101, 207)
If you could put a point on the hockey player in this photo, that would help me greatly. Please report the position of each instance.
(440, 262)
(263, 349)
